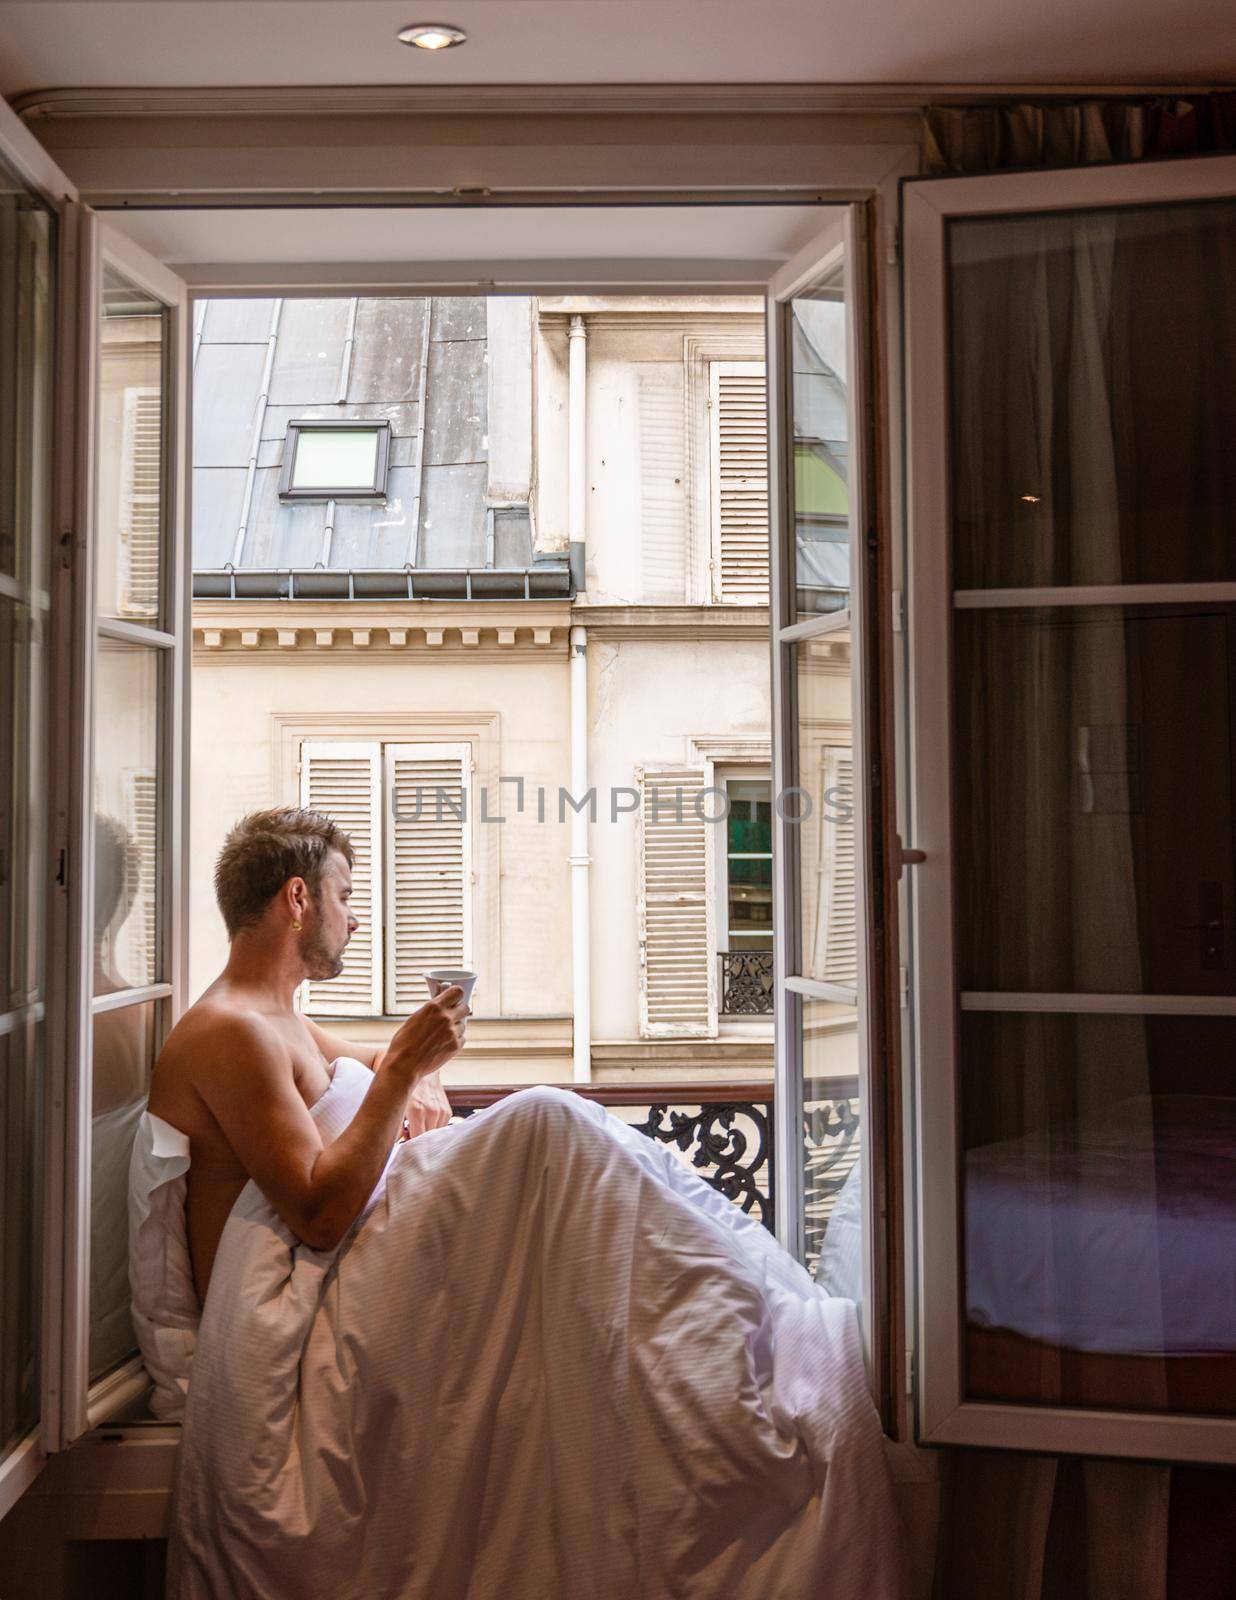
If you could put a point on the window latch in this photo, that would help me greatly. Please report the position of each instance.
(903, 857)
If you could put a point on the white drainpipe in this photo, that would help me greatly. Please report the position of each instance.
(577, 510)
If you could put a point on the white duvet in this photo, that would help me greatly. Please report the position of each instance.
(547, 1363)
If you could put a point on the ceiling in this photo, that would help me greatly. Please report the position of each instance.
(200, 43)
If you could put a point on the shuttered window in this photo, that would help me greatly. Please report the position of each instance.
(344, 779)
(428, 867)
(406, 808)
(838, 900)
(141, 512)
(678, 988)
(738, 410)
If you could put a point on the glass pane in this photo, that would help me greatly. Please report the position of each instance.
(826, 856)
(749, 865)
(832, 1173)
(1100, 1210)
(128, 834)
(1093, 407)
(131, 469)
(124, 1051)
(27, 286)
(821, 448)
(336, 458)
(1095, 847)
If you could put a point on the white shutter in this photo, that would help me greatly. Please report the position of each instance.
(738, 408)
(344, 779)
(838, 898)
(428, 867)
(141, 511)
(678, 981)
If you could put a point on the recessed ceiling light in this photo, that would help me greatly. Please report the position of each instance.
(432, 35)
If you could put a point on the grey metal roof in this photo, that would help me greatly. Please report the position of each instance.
(419, 364)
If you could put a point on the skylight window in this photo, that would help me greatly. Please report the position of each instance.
(335, 460)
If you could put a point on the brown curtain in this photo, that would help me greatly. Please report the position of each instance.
(994, 138)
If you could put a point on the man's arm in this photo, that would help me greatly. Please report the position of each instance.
(427, 1107)
(318, 1190)
(332, 1046)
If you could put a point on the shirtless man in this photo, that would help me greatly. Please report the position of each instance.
(241, 1068)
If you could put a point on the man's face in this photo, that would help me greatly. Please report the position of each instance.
(330, 923)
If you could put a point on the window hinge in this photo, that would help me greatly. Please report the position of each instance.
(899, 611)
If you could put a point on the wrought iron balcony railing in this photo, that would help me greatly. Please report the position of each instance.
(725, 1131)
(746, 983)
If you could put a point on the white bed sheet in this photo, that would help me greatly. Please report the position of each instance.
(548, 1363)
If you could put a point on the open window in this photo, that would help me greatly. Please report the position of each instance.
(1071, 341)
(825, 987)
(116, 790)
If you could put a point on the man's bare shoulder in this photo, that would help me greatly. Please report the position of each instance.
(216, 1036)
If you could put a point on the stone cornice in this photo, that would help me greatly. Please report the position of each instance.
(393, 629)
(377, 628)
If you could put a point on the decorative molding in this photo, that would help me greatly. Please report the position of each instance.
(700, 623)
(531, 630)
(729, 747)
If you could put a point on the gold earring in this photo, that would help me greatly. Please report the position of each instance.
(296, 927)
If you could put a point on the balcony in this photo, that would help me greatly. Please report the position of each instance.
(746, 983)
(725, 1131)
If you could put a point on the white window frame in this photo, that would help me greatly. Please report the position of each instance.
(842, 240)
(721, 776)
(945, 1416)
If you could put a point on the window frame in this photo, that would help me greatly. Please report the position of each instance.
(289, 494)
(723, 774)
(845, 240)
(945, 1416)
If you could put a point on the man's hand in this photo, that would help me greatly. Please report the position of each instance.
(428, 1106)
(428, 1039)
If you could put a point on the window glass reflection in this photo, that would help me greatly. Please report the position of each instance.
(1093, 407)
(825, 835)
(1094, 777)
(832, 1171)
(1100, 1210)
(127, 831)
(124, 1049)
(821, 451)
(131, 470)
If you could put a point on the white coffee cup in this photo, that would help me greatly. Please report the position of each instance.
(439, 978)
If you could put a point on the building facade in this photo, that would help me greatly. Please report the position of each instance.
(487, 579)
